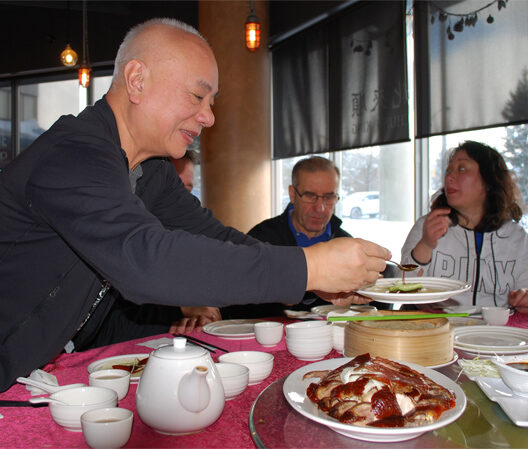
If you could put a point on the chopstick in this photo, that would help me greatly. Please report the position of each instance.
(417, 316)
(8, 403)
(202, 346)
(196, 340)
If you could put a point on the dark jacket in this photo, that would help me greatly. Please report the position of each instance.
(69, 220)
(277, 231)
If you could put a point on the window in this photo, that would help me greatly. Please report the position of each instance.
(41, 104)
(510, 141)
(384, 189)
(6, 151)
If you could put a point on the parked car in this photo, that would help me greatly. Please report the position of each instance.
(359, 204)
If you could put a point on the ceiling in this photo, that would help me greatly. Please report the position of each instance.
(33, 33)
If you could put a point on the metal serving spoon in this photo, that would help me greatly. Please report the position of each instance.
(46, 387)
(405, 267)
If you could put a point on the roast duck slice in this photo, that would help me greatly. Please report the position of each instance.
(374, 391)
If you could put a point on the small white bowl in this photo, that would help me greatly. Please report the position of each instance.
(268, 333)
(318, 345)
(338, 336)
(115, 379)
(78, 401)
(107, 428)
(495, 316)
(516, 379)
(309, 352)
(259, 363)
(234, 377)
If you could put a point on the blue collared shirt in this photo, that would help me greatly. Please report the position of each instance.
(302, 239)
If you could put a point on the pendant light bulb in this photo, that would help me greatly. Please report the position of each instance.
(68, 56)
(84, 76)
(252, 33)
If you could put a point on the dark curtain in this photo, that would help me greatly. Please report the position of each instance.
(300, 94)
(470, 72)
(342, 84)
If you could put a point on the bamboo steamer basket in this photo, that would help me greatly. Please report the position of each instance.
(426, 342)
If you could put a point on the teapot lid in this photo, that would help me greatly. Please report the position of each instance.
(179, 350)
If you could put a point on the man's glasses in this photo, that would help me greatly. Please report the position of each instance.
(329, 199)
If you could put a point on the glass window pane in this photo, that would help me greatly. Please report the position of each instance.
(511, 142)
(101, 84)
(6, 149)
(41, 104)
(377, 194)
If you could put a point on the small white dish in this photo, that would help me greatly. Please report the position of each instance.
(514, 377)
(515, 407)
(107, 428)
(235, 378)
(494, 388)
(260, 364)
(136, 362)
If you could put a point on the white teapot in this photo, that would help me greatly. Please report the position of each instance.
(180, 390)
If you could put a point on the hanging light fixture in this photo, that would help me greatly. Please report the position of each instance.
(252, 29)
(68, 56)
(84, 69)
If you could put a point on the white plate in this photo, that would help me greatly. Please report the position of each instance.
(232, 329)
(514, 406)
(324, 310)
(491, 339)
(448, 287)
(465, 321)
(108, 362)
(453, 360)
(294, 390)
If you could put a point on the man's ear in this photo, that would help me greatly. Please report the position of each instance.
(134, 73)
(291, 192)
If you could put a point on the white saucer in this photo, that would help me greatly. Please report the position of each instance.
(516, 407)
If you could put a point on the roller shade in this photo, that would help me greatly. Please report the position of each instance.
(341, 84)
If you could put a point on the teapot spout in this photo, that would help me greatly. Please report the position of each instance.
(194, 392)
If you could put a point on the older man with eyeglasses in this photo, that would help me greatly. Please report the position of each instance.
(308, 219)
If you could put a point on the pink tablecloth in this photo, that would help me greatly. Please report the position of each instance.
(28, 427)
(25, 427)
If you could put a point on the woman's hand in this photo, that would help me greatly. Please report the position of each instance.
(436, 225)
(195, 318)
(519, 300)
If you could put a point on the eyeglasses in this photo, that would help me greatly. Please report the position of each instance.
(329, 199)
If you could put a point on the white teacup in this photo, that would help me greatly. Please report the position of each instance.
(268, 333)
(115, 379)
(496, 316)
(107, 427)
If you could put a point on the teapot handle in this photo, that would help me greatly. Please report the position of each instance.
(193, 391)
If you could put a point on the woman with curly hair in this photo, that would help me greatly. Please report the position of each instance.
(472, 232)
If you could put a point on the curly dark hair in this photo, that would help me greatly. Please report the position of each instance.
(503, 201)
